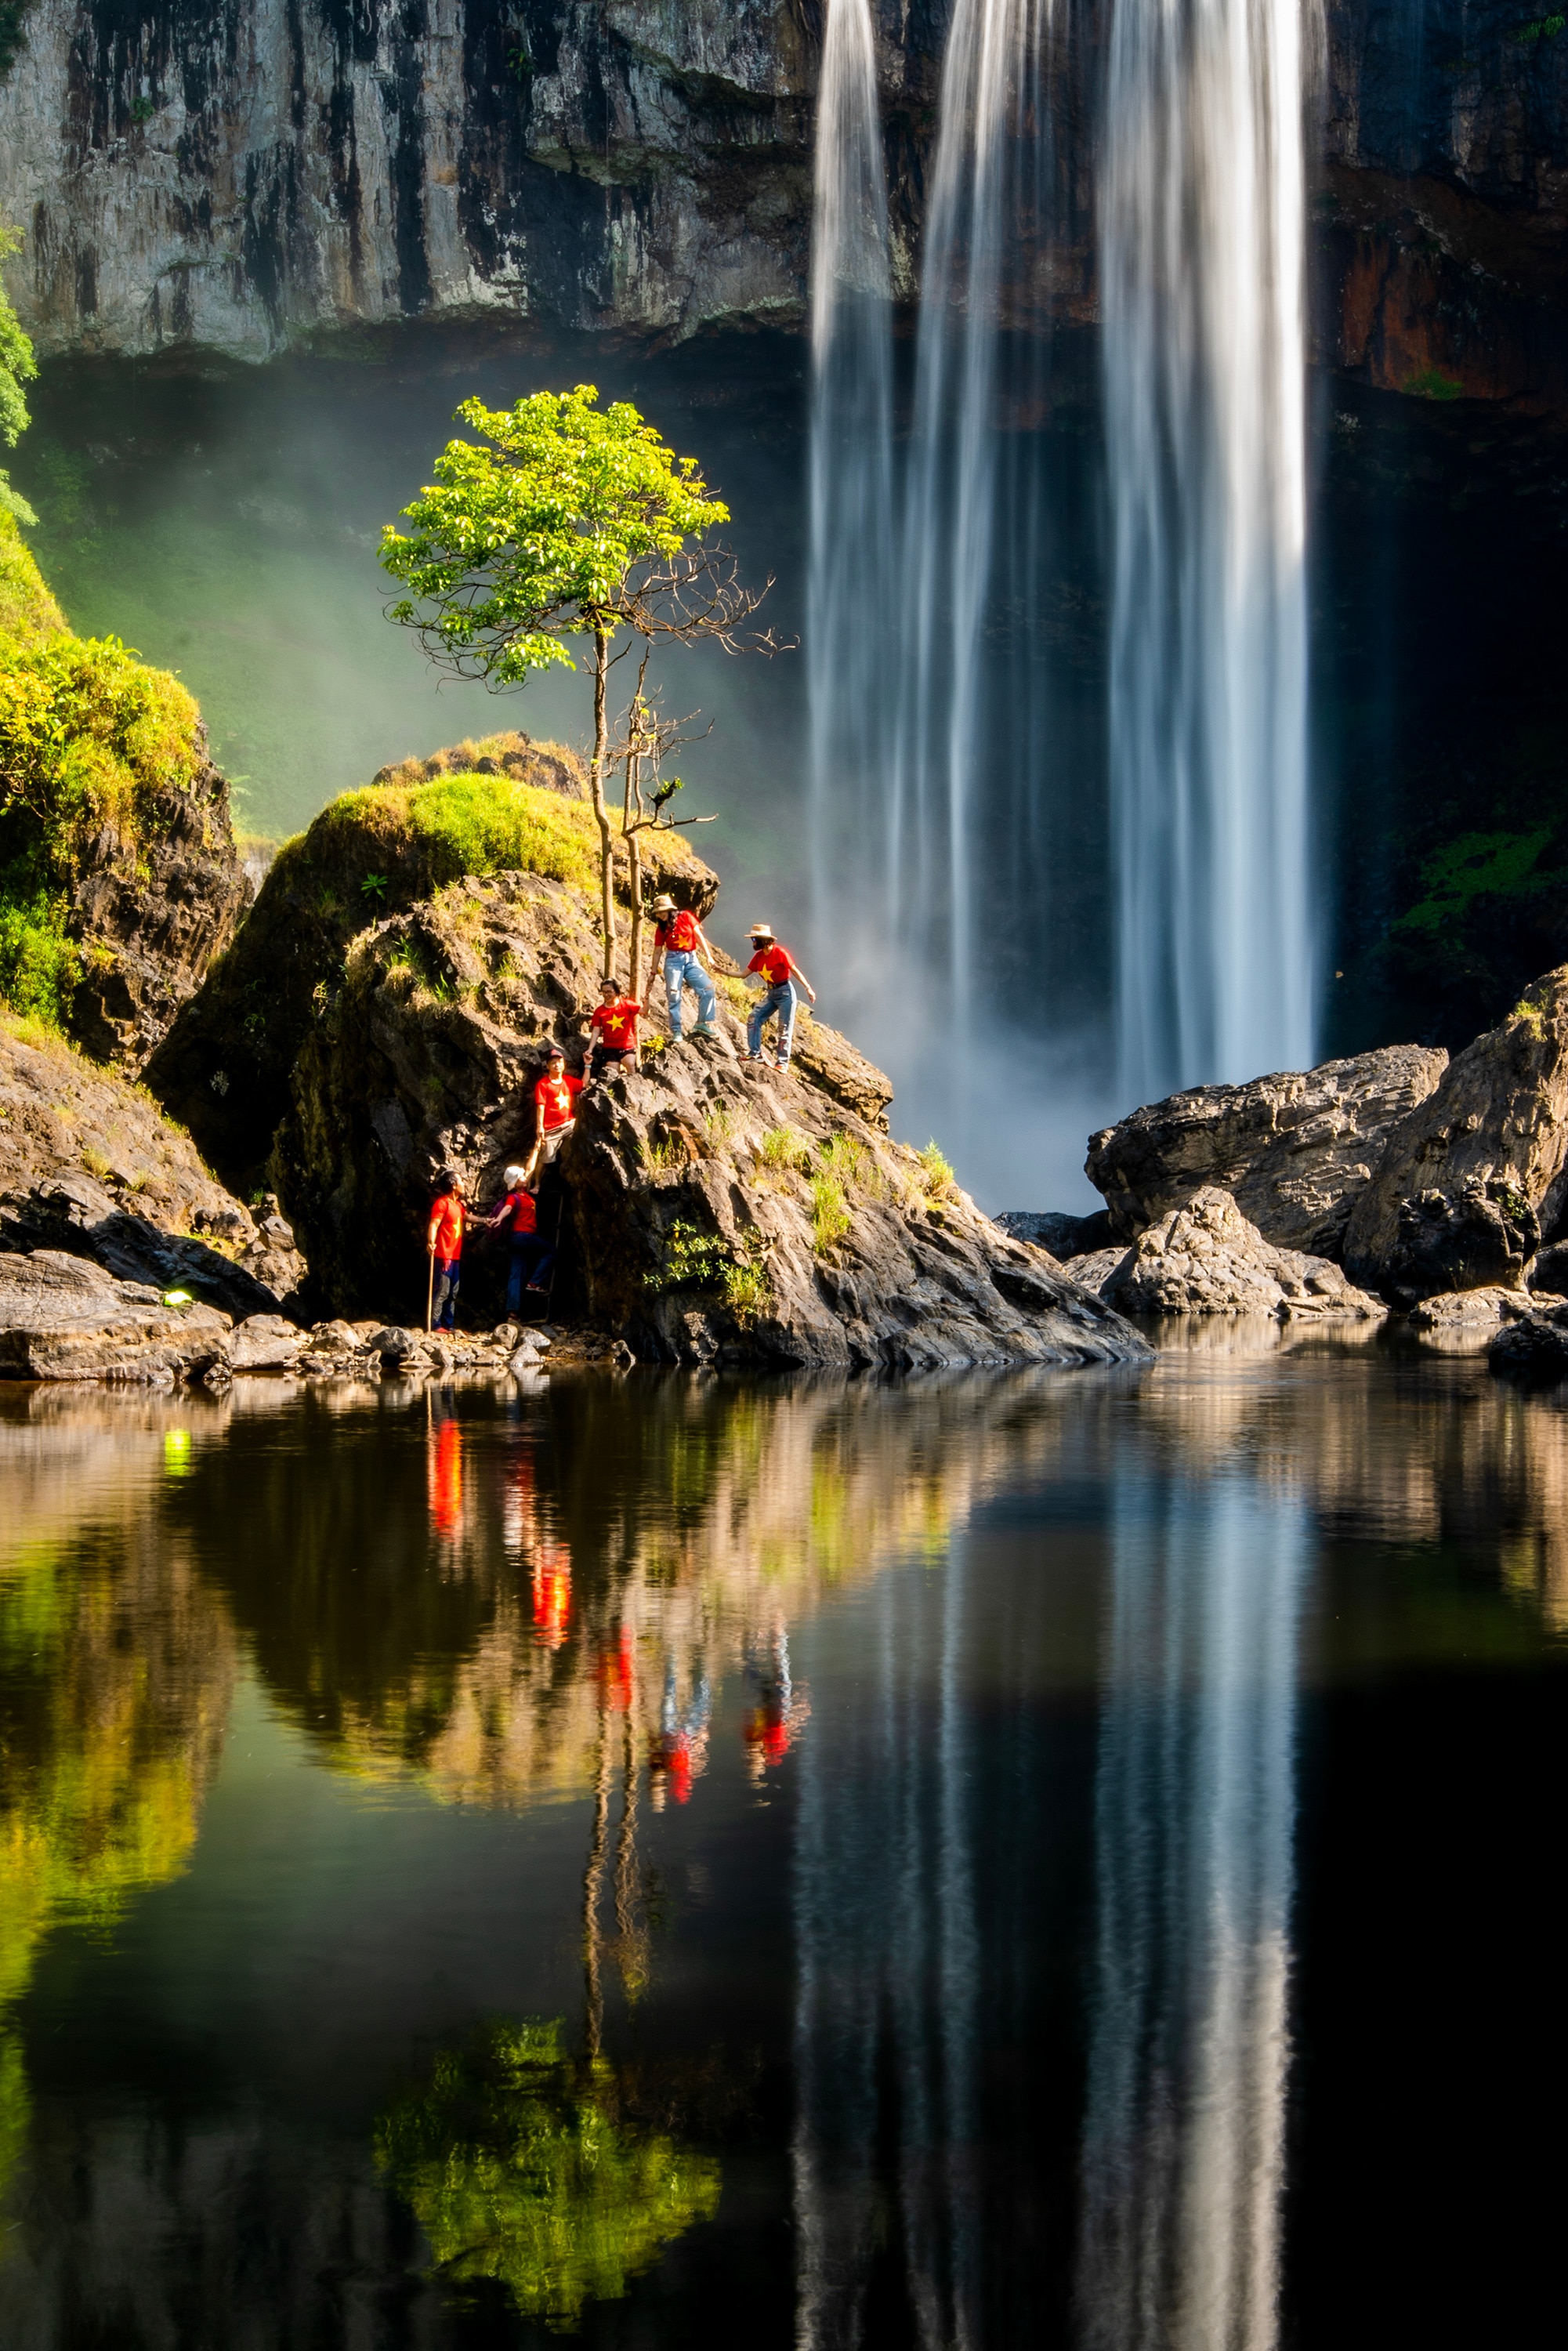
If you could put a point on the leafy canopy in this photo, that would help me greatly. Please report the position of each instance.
(560, 521)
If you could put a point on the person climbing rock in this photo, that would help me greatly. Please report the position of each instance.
(444, 1245)
(779, 972)
(531, 1255)
(612, 1029)
(555, 1111)
(678, 937)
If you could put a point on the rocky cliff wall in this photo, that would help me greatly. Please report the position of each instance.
(240, 177)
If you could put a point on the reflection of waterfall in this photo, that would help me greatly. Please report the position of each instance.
(1184, 2153)
(850, 639)
(885, 2027)
(1201, 258)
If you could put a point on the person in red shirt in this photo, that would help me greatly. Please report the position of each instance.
(555, 1110)
(443, 1243)
(612, 1027)
(678, 938)
(779, 972)
(532, 1256)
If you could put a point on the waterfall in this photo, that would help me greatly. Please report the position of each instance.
(850, 647)
(1183, 2167)
(1202, 270)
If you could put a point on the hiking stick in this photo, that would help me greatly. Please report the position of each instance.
(429, 1293)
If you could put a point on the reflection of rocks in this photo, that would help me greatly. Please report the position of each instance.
(1295, 1149)
(1472, 1179)
(1206, 1258)
(1532, 1347)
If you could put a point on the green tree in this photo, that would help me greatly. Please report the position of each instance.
(564, 519)
(520, 2167)
(17, 366)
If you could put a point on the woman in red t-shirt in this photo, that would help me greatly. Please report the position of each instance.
(612, 1028)
(555, 1110)
(779, 972)
(443, 1242)
(678, 938)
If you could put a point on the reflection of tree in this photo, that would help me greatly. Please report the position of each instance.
(522, 2165)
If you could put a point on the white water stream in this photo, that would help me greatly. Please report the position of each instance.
(951, 855)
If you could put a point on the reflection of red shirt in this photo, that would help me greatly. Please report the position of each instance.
(557, 1097)
(774, 963)
(616, 1023)
(446, 1214)
(680, 933)
(519, 1213)
(445, 1477)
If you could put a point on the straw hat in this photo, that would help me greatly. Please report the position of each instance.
(664, 904)
(761, 931)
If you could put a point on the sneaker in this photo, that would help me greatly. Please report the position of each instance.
(782, 1063)
(705, 1028)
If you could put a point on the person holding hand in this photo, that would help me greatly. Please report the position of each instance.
(779, 972)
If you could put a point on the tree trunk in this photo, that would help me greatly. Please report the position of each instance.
(635, 843)
(601, 807)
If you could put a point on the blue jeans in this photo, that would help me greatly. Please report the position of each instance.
(682, 969)
(781, 999)
(443, 1298)
(531, 1260)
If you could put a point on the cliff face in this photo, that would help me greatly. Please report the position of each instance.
(240, 177)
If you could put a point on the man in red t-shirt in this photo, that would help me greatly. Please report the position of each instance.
(555, 1110)
(519, 1218)
(443, 1242)
(612, 1027)
(779, 972)
(678, 938)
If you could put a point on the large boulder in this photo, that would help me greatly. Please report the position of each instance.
(64, 1318)
(708, 1208)
(225, 1069)
(1206, 1258)
(89, 1167)
(1475, 1177)
(1295, 1150)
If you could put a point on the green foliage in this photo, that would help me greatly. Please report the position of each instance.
(1431, 383)
(537, 531)
(747, 1290)
(374, 885)
(829, 1212)
(13, 31)
(29, 613)
(719, 1125)
(40, 966)
(662, 1153)
(936, 1170)
(1540, 28)
(1476, 863)
(690, 1256)
(520, 2167)
(845, 1156)
(464, 824)
(784, 1151)
(17, 364)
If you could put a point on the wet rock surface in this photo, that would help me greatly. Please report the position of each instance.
(1475, 1177)
(1533, 1348)
(89, 1166)
(1465, 1321)
(1295, 1150)
(1206, 1258)
(66, 1318)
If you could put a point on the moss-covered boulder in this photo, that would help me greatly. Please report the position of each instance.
(224, 1068)
(120, 881)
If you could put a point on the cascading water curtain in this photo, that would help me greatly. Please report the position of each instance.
(1184, 2141)
(985, 197)
(851, 643)
(1201, 215)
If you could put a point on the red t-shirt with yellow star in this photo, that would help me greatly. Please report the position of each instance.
(679, 931)
(557, 1097)
(616, 1023)
(775, 962)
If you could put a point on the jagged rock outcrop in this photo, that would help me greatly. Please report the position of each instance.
(1294, 1149)
(88, 1168)
(1064, 1236)
(729, 1213)
(152, 916)
(1533, 1348)
(1465, 1321)
(1204, 1257)
(708, 1209)
(1472, 1180)
(223, 1069)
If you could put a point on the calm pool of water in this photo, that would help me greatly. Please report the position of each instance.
(1042, 1860)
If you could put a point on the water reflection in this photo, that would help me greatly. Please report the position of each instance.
(1194, 1806)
